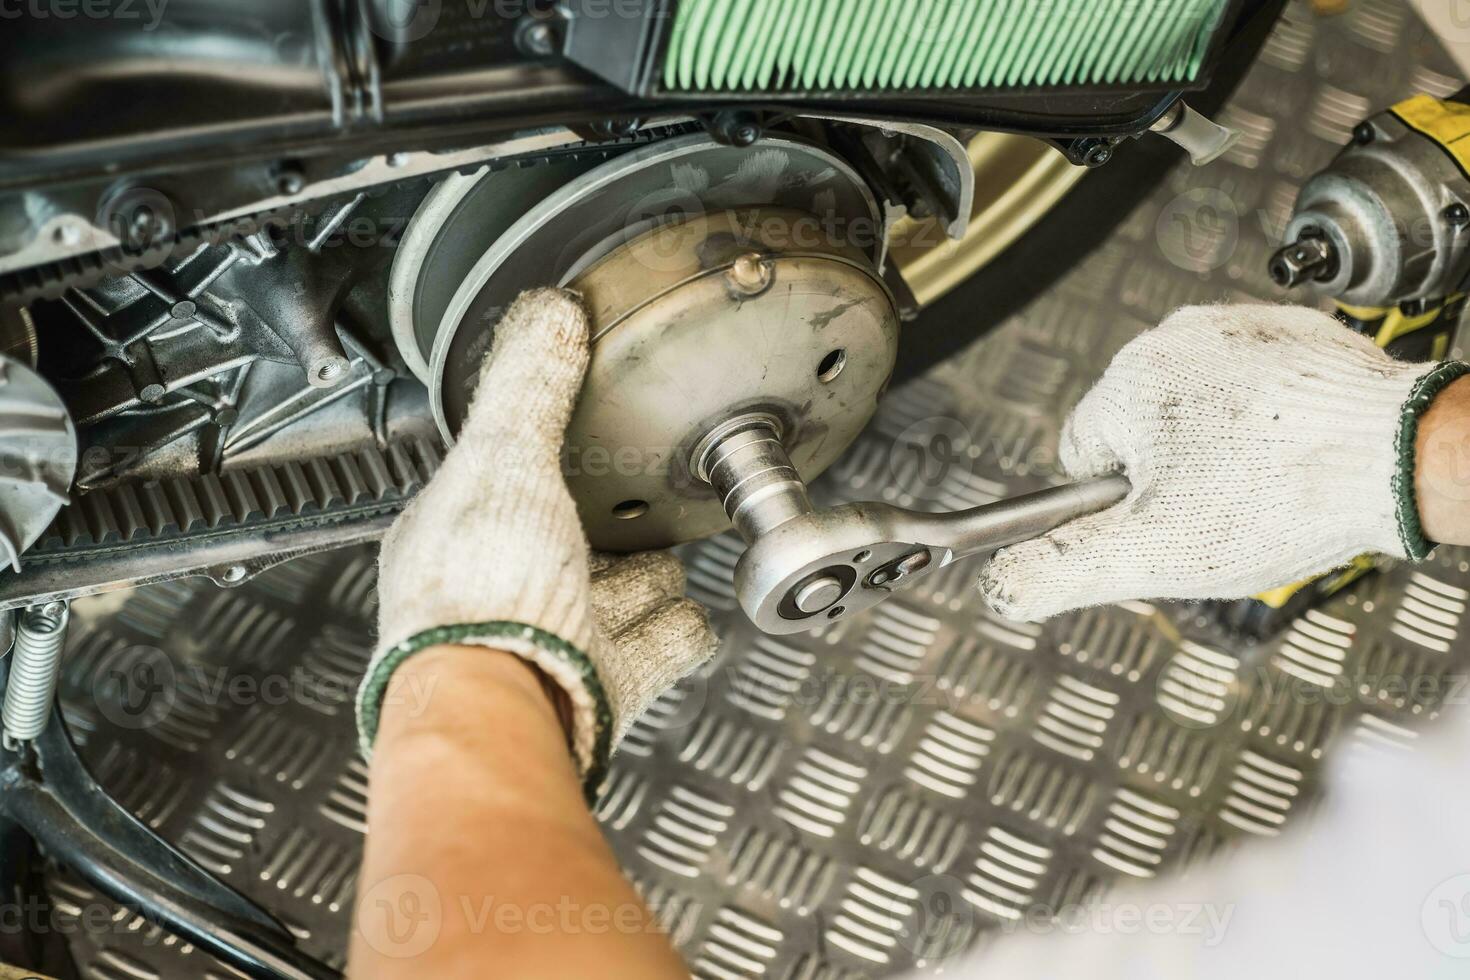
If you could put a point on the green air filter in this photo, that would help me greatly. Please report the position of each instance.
(855, 46)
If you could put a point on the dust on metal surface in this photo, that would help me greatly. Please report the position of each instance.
(853, 802)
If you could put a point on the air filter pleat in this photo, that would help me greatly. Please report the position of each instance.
(822, 41)
(761, 59)
(986, 31)
(1041, 45)
(1115, 32)
(914, 39)
(1030, 29)
(709, 40)
(842, 58)
(793, 22)
(1131, 56)
(1075, 64)
(948, 65)
(732, 45)
(908, 45)
(866, 67)
(857, 11)
(1050, 66)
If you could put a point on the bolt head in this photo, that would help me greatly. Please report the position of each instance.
(144, 227)
(1363, 134)
(539, 40)
(749, 274)
(1098, 155)
(1457, 214)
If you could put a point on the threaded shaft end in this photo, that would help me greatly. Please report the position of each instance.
(748, 467)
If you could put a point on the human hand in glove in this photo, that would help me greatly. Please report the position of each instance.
(1265, 445)
(492, 552)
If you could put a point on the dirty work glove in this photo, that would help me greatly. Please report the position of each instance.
(492, 553)
(1265, 444)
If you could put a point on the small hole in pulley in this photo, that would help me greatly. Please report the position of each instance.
(630, 509)
(832, 365)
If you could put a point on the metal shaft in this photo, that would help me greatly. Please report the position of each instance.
(759, 488)
(35, 661)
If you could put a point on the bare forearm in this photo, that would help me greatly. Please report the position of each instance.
(1442, 466)
(481, 857)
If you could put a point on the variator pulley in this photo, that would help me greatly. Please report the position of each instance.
(721, 282)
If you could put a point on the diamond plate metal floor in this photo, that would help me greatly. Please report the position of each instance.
(858, 801)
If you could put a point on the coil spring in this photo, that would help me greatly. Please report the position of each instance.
(35, 660)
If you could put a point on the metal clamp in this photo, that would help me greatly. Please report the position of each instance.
(806, 566)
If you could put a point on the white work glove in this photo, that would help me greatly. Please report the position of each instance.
(492, 552)
(1265, 444)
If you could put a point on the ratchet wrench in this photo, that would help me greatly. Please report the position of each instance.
(806, 566)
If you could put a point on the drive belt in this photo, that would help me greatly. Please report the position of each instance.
(49, 280)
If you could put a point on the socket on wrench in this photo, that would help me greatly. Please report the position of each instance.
(806, 566)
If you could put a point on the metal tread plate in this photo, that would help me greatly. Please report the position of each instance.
(855, 802)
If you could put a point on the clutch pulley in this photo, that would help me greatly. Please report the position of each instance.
(721, 282)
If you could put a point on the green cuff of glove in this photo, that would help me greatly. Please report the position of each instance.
(375, 685)
(1411, 532)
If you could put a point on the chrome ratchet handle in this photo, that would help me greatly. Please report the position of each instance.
(829, 564)
(806, 566)
(983, 529)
